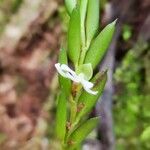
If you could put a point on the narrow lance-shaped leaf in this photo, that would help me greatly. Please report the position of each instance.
(61, 116)
(100, 44)
(70, 5)
(83, 10)
(92, 21)
(64, 83)
(89, 101)
(74, 36)
(83, 130)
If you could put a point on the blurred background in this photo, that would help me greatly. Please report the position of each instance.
(31, 33)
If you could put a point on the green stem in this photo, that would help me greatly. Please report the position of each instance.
(73, 109)
(78, 94)
(73, 113)
(73, 127)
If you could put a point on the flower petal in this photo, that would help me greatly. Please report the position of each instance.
(85, 82)
(66, 72)
(70, 73)
(59, 69)
(91, 91)
(67, 69)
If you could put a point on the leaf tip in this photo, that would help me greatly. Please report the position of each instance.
(115, 21)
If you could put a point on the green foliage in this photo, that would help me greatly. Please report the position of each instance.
(99, 45)
(83, 10)
(132, 103)
(61, 117)
(70, 5)
(92, 21)
(82, 131)
(74, 36)
(127, 32)
(81, 95)
(146, 134)
(65, 84)
(99, 80)
(16, 5)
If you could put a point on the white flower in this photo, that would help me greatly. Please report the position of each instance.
(66, 72)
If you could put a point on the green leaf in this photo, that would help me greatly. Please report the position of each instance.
(87, 70)
(146, 134)
(70, 5)
(61, 116)
(15, 5)
(74, 36)
(127, 32)
(83, 130)
(83, 10)
(92, 22)
(63, 57)
(89, 100)
(65, 84)
(100, 44)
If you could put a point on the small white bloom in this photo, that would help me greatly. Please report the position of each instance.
(66, 72)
